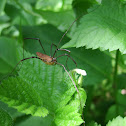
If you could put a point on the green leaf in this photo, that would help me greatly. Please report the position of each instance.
(7, 54)
(26, 101)
(39, 90)
(21, 12)
(68, 116)
(62, 19)
(2, 5)
(80, 6)
(118, 121)
(103, 28)
(79, 102)
(14, 10)
(5, 119)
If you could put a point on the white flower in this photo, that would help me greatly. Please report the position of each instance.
(80, 71)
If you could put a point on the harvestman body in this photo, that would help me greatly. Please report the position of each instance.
(46, 59)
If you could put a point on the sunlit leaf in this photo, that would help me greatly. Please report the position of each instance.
(103, 28)
(118, 121)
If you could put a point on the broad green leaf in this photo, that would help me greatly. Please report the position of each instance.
(5, 119)
(62, 19)
(60, 14)
(7, 54)
(68, 116)
(79, 102)
(27, 101)
(80, 6)
(39, 90)
(14, 10)
(70, 111)
(2, 5)
(21, 12)
(103, 28)
(89, 60)
(118, 121)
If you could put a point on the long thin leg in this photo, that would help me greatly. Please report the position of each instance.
(75, 88)
(39, 42)
(69, 76)
(18, 64)
(26, 59)
(51, 49)
(59, 50)
(23, 48)
(69, 57)
(73, 83)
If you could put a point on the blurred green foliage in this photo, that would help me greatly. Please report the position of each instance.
(98, 46)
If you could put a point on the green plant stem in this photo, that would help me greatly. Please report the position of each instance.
(115, 79)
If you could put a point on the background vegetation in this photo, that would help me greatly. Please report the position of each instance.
(39, 94)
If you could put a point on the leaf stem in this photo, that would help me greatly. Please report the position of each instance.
(115, 78)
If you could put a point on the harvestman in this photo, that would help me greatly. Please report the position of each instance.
(52, 60)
